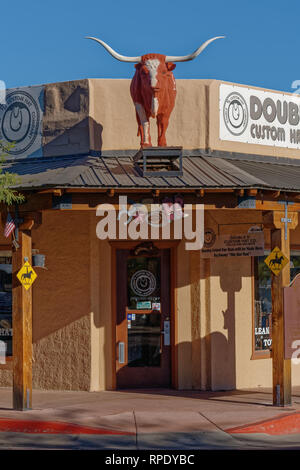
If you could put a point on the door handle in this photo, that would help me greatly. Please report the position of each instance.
(166, 333)
(121, 353)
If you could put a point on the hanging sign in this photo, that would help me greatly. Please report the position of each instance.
(222, 246)
(276, 261)
(27, 275)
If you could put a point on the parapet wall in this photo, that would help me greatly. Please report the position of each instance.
(76, 117)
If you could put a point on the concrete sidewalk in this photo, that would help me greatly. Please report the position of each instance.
(150, 419)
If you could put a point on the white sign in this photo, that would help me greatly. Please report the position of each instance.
(224, 246)
(21, 116)
(259, 117)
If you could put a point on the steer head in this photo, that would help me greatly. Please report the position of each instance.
(154, 85)
(154, 70)
(153, 88)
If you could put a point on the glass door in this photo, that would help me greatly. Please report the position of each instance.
(143, 320)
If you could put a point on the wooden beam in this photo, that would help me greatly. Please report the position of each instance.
(22, 325)
(84, 201)
(111, 192)
(282, 394)
(34, 202)
(27, 224)
(252, 192)
(272, 205)
(54, 191)
(282, 387)
(272, 220)
(200, 192)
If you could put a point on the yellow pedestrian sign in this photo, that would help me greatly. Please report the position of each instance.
(276, 261)
(26, 275)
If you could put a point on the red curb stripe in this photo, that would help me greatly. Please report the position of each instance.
(288, 424)
(53, 427)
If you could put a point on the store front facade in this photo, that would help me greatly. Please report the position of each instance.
(121, 313)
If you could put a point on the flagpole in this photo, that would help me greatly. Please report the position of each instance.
(17, 223)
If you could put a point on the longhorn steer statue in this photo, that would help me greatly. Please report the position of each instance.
(153, 88)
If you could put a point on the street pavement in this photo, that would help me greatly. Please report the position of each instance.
(155, 419)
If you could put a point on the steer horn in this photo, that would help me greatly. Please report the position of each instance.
(184, 58)
(122, 58)
(169, 58)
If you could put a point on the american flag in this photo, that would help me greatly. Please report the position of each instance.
(9, 225)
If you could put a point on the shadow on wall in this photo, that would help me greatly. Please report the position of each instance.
(67, 128)
(61, 303)
(215, 351)
(74, 140)
(223, 348)
(61, 292)
(74, 102)
(213, 346)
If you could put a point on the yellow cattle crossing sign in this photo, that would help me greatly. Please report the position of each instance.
(276, 261)
(26, 275)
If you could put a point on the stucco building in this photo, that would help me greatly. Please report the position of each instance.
(100, 306)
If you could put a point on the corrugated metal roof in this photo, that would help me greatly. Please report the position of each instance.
(279, 176)
(120, 172)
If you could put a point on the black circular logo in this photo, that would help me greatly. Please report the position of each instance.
(143, 283)
(235, 112)
(209, 238)
(20, 121)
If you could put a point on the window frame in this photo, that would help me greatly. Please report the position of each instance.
(5, 251)
(266, 354)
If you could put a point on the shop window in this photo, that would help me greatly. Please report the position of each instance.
(262, 305)
(6, 305)
(262, 323)
(295, 264)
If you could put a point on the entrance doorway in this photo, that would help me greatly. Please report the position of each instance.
(143, 319)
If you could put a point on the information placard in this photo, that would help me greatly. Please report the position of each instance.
(222, 246)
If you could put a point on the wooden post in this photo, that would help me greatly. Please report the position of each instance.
(280, 237)
(282, 385)
(22, 328)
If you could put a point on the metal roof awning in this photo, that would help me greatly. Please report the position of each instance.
(117, 171)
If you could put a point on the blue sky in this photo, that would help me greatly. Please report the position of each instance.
(43, 42)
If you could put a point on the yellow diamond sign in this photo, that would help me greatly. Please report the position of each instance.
(26, 275)
(276, 261)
